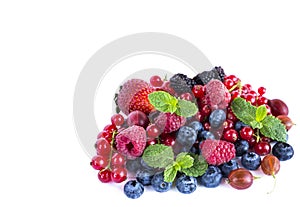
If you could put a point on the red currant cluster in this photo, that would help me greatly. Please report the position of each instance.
(108, 161)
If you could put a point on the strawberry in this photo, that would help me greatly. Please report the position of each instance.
(217, 152)
(134, 96)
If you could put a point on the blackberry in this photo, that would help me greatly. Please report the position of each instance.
(221, 72)
(181, 83)
(204, 77)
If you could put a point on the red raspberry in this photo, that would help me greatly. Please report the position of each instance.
(217, 152)
(131, 142)
(217, 95)
(168, 122)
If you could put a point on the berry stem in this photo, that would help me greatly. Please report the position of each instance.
(238, 85)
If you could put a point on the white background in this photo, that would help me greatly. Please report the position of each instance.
(45, 45)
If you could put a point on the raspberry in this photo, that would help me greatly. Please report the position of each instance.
(131, 142)
(134, 96)
(217, 95)
(168, 122)
(217, 152)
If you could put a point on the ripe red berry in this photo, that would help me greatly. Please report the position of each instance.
(156, 81)
(246, 133)
(240, 178)
(198, 91)
(262, 148)
(117, 119)
(104, 176)
(250, 98)
(261, 100)
(111, 128)
(230, 135)
(235, 94)
(99, 162)
(228, 124)
(228, 83)
(119, 175)
(103, 147)
(117, 160)
(187, 96)
(261, 90)
(153, 131)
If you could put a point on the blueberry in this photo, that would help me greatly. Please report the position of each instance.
(186, 136)
(145, 166)
(144, 177)
(206, 135)
(212, 177)
(241, 147)
(133, 189)
(251, 161)
(195, 149)
(239, 125)
(216, 118)
(133, 165)
(227, 167)
(283, 151)
(186, 184)
(197, 126)
(158, 183)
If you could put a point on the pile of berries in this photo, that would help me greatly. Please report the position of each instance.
(207, 128)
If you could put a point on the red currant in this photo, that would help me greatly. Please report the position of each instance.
(119, 175)
(151, 141)
(230, 135)
(111, 128)
(117, 120)
(104, 134)
(206, 126)
(104, 176)
(228, 124)
(156, 81)
(233, 78)
(99, 162)
(198, 91)
(261, 90)
(231, 116)
(262, 148)
(103, 147)
(261, 100)
(168, 139)
(250, 98)
(152, 131)
(228, 83)
(246, 133)
(235, 94)
(248, 86)
(205, 110)
(117, 160)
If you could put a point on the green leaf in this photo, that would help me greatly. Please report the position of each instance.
(254, 124)
(199, 166)
(163, 101)
(186, 108)
(273, 128)
(184, 160)
(261, 113)
(243, 110)
(170, 173)
(158, 156)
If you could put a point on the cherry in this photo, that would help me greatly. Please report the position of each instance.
(99, 162)
(104, 176)
(117, 160)
(261, 90)
(119, 175)
(137, 118)
(156, 81)
(198, 91)
(153, 131)
(240, 178)
(117, 120)
(230, 135)
(103, 147)
(262, 148)
(246, 133)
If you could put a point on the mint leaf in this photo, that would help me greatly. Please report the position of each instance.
(158, 156)
(170, 173)
(199, 166)
(244, 111)
(184, 160)
(163, 101)
(254, 124)
(186, 108)
(273, 128)
(261, 113)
